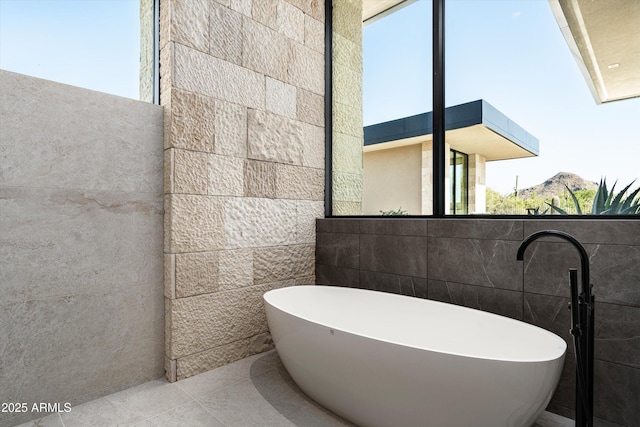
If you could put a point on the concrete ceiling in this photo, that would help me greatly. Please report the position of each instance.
(604, 38)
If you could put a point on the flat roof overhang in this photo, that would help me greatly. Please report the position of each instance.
(473, 128)
(604, 38)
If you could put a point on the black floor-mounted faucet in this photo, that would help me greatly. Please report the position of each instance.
(582, 316)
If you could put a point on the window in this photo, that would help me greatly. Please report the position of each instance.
(525, 102)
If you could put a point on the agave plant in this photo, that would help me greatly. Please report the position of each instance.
(607, 202)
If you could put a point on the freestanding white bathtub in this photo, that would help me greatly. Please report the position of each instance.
(380, 359)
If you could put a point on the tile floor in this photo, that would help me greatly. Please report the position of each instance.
(256, 391)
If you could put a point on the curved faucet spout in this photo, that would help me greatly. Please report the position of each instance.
(584, 257)
(582, 326)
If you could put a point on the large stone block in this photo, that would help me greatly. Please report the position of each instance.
(242, 6)
(189, 23)
(306, 213)
(225, 175)
(312, 146)
(347, 86)
(346, 208)
(347, 187)
(213, 358)
(274, 138)
(231, 129)
(235, 268)
(204, 74)
(225, 34)
(347, 153)
(195, 223)
(189, 172)
(265, 12)
(207, 321)
(347, 119)
(347, 53)
(253, 222)
(310, 107)
(192, 121)
(299, 183)
(306, 69)
(281, 98)
(280, 263)
(260, 179)
(290, 21)
(347, 19)
(196, 273)
(264, 50)
(314, 34)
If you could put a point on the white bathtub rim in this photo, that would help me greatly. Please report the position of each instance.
(562, 344)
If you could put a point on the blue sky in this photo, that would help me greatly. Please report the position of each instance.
(88, 43)
(510, 53)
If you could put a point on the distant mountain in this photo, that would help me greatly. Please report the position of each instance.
(555, 186)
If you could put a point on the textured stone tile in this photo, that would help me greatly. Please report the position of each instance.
(253, 222)
(314, 34)
(65, 242)
(231, 129)
(190, 172)
(498, 229)
(282, 263)
(225, 33)
(313, 146)
(265, 12)
(169, 275)
(49, 128)
(346, 208)
(274, 138)
(306, 69)
(398, 227)
(490, 263)
(189, 23)
(310, 107)
(347, 53)
(281, 98)
(343, 22)
(210, 76)
(290, 21)
(242, 6)
(347, 119)
(264, 50)
(52, 420)
(349, 84)
(299, 183)
(195, 223)
(259, 179)
(405, 255)
(337, 276)
(207, 321)
(196, 273)
(235, 269)
(191, 120)
(338, 249)
(207, 360)
(347, 187)
(225, 176)
(499, 301)
(307, 211)
(168, 171)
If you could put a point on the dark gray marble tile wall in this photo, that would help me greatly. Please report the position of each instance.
(472, 262)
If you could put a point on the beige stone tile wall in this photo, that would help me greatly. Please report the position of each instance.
(242, 84)
(348, 137)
